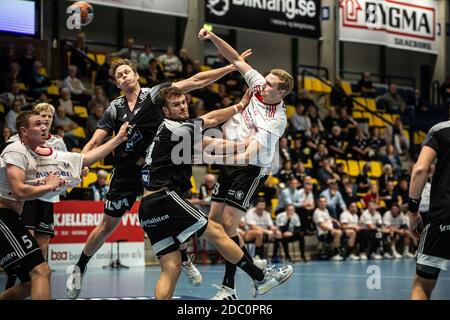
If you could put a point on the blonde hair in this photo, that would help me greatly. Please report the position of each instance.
(42, 107)
(287, 82)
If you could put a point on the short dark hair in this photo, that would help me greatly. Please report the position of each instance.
(121, 62)
(289, 205)
(23, 119)
(167, 93)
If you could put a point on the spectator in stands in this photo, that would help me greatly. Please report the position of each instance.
(199, 109)
(392, 101)
(7, 98)
(359, 146)
(76, 87)
(145, 57)
(102, 79)
(66, 101)
(219, 61)
(284, 149)
(396, 222)
(392, 158)
(9, 56)
(331, 119)
(203, 199)
(300, 171)
(128, 52)
(289, 195)
(373, 196)
(326, 173)
(260, 219)
(78, 57)
(376, 143)
(27, 61)
(363, 180)
(98, 98)
(349, 224)
(314, 138)
(386, 176)
(92, 120)
(70, 141)
(288, 222)
(211, 98)
(189, 72)
(10, 118)
(171, 63)
(395, 134)
(6, 134)
(100, 187)
(183, 55)
(153, 73)
(338, 96)
(13, 75)
(43, 98)
(307, 205)
(313, 115)
(62, 120)
(336, 143)
(388, 194)
(321, 153)
(306, 100)
(371, 220)
(445, 92)
(418, 103)
(335, 202)
(365, 86)
(299, 121)
(401, 192)
(347, 189)
(286, 173)
(328, 229)
(347, 123)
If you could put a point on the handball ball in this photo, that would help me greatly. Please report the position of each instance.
(86, 12)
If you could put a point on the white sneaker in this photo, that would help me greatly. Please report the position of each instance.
(74, 282)
(397, 255)
(272, 278)
(337, 257)
(260, 263)
(191, 271)
(354, 257)
(363, 257)
(376, 256)
(224, 293)
(408, 254)
(387, 255)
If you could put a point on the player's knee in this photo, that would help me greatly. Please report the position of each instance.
(43, 271)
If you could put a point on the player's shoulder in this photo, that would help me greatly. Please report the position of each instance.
(118, 102)
(16, 146)
(440, 126)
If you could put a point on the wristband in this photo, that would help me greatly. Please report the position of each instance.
(413, 205)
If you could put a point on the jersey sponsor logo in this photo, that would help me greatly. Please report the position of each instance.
(218, 7)
(135, 136)
(152, 221)
(146, 177)
(239, 194)
(8, 257)
(444, 228)
(117, 205)
(45, 174)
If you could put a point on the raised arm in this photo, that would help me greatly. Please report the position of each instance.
(226, 50)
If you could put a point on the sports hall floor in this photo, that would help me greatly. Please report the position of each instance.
(315, 280)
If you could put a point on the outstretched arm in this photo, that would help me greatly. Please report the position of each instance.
(228, 52)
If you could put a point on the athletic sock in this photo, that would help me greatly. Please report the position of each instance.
(11, 282)
(230, 269)
(249, 267)
(83, 261)
(184, 256)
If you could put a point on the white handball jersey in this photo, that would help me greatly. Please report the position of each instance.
(55, 142)
(67, 165)
(268, 121)
(348, 218)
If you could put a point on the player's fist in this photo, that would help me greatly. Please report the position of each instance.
(124, 132)
(204, 34)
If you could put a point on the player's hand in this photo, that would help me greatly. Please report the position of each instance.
(122, 135)
(85, 171)
(54, 181)
(415, 224)
(245, 100)
(247, 53)
(205, 34)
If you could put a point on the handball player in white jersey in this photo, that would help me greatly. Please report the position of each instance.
(264, 118)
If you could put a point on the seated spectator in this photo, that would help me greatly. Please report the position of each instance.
(388, 194)
(37, 82)
(76, 87)
(92, 120)
(248, 235)
(307, 206)
(183, 55)
(211, 99)
(314, 118)
(396, 135)
(365, 86)
(289, 195)
(100, 187)
(349, 220)
(7, 98)
(401, 192)
(98, 98)
(78, 57)
(306, 100)
(417, 103)
(347, 189)
(363, 180)
(336, 143)
(300, 172)
(331, 119)
(62, 120)
(103, 80)
(359, 146)
(145, 57)
(347, 123)
(286, 173)
(66, 101)
(392, 101)
(314, 138)
(338, 96)
(392, 158)
(203, 199)
(386, 176)
(14, 75)
(9, 56)
(288, 222)
(371, 220)
(11, 116)
(335, 202)
(376, 143)
(396, 222)
(300, 122)
(258, 218)
(328, 228)
(43, 98)
(321, 153)
(326, 173)
(189, 71)
(6, 134)
(153, 73)
(284, 149)
(297, 153)
(170, 62)
(372, 196)
(128, 52)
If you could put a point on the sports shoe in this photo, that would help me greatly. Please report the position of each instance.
(191, 271)
(272, 278)
(387, 255)
(363, 257)
(353, 257)
(224, 293)
(337, 257)
(74, 282)
(396, 254)
(260, 263)
(376, 256)
(407, 254)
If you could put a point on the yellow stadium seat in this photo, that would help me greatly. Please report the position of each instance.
(378, 122)
(91, 55)
(90, 178)
(347, 87)
(142, 81)
(205, 68)
(353, 168)
(100, 58)
(274, 203)
(22, 86)
(325, 88)
(101, 165)
(194, 189)
(194, 99)
(43, 71)
(215, 87)
(272, 181)
(79, 132)
(357, 115)
(406, 134)
(53, 90)
(371, 104)
(316, 85)
(419, 137)
(357, 107)
(308, 84)
(2, 108)
(81, 111)
(377, 169)
(343, 162)
(314, 181)
(309, 164)
(290, 111)
(369, 116)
